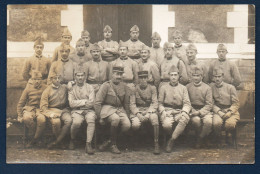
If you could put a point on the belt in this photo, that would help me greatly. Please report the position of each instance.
(94, 82)
(143, 105)
(223, 106)
(197, 106)
(135, 57)
(173, 106)
(128, 81)
(165, 80)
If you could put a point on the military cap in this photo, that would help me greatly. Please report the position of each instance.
(196, 70)
(85, 33)
(143, 74)
(107, 28)
(191, 47)
(144, 47)
(80, 42)
(79, 69)
(122, 44)
(64, 47)
(134, 28)
(156, 35)
(66, 32)
(38, 41)
(222, 47)
(217, 71)
(167, 45)
(36, 74)
(177, 33)
(95, 46)
(173, 69)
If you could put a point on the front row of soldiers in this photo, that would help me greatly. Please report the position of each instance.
(116, 104)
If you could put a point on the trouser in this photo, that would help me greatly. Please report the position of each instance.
(202, 124)
(34, 120)
(136, 123)
(77, 119)
(119, 118)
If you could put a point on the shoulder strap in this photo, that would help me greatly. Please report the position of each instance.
(115, 92)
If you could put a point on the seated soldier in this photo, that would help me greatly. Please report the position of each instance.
(54, 105)
(226, 104)
(81, 101)
(174, 106)
(201, 101)
(112, 106)
(28, 108)
(144, 105)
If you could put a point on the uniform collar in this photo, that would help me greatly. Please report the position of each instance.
(222, 60)
(64, 60)
(124, 58)
(56, 87)
(192, 62)
(220, 85)
(38, 56)
(197, 84)
(97, 60)
(177, 46)
(174, 84)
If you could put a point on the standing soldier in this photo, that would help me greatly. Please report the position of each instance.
(134, 44)
(146, 64)
(97, 70)
(54, 105)
(80, 56)
(85, 36)
(109, 47)
(28, 108)
(179, 49)
(112, 106)
(231, 73)
(81, 101)
(65, 38)
(37, 62)
(226, 104)
(144, 105)
(130, 76)
(174, 106)
(157, 53)
(191, 52)
(64, 66)
(201, 101)
(168, 62)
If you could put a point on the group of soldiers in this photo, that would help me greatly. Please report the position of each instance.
(124, 85)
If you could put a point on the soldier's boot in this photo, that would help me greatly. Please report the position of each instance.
(72, 144)
(113, 134)
(169, 145)
(53, 145)
(228, 140)
(114, 149)
(156, 142)
(104, 145)
(31, 143)
(89, 149)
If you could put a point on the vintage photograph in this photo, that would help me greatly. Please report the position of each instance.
(130, 84)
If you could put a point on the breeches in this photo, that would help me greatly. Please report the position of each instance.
(229, 123)
(119, 118)
(204, 122)
(153, 119)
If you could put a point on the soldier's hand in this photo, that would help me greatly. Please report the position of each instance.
(101, 122)
(227, 115)
(70, 84)
(175, 111)
(147, 116)
(20, 119)
(196, 113)
(140, 116)
(221, 114)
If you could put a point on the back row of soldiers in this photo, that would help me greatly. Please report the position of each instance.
(119, 84)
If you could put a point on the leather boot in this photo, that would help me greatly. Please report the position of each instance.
(88, 149)
(31, 143)
(72, 144)
(103, 146)
(114, 149)
(156, 143)
(169, 145)
(52, 145)
(113, 134)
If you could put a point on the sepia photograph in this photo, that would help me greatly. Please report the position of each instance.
(130, 84)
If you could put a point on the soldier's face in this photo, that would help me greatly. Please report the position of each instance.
(38, 49)
(95, 54)
(143, 81)
(134, 35)
(177, 40)
(80, 48)
(191, 54)
(107, 34)
(145, 54)
(197, 78)
(156, 42)
(174, 77)
(218, 79)
(123, 51)
(86, 39)
(66, 39)
(222, 54)
(79, 77)
(37, 82)
(117, 77)
(168, 52)
(56, 80)
(64, 53)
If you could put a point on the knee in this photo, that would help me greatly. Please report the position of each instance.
(126, 125)
(115, 120)
(136, 123)
(41, 119)
(207, 121)
(67, 119)
(230, 125)
(76, 123)
(167, 124)
(217, 121)
(184, 119)
(196, 121)
(56, 122)
(154, 119)
(27, 117)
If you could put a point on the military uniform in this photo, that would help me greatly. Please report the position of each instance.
(156, 53)
(81, 58)
(191, 65)
(87, 45)
(180, 50)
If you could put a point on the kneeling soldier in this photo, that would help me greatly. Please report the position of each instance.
(144, 105)
(28, 108)
(81, 100)
(201, 101)
(174, 106)
(54, 105)
(226, 104)
(112, 106)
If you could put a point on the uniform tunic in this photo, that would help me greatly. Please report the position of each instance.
(134, 48)
(57, 56)
(80, 59)
(180, 52)
(157, 55)
(153, 71)
(231, 73)
(87, 52)
(112, 52)
(39, 63)
(190, 66)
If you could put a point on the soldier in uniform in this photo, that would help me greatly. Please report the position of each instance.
(201, 101)
(37, 62)
(85, 36)
(109, 47)
(179, 49)
(134, 44)
(63, 66)
(80, 56)
(65, 38)
(144, 105)
(28, 108)
(146, 64)
(174, 106)
(157, 53)
(54, 105)
(226, 104)
(112, 106)
(191, 52)
(168, 62)
(97, 70)
(130, 76)
(81, 100)
(231, 73)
